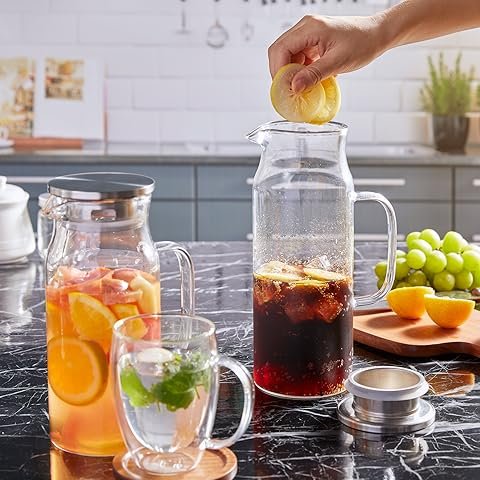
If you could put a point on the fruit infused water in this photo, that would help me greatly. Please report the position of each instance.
(81, 307)
(302, 330)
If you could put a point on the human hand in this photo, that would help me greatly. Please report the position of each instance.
(326, 46)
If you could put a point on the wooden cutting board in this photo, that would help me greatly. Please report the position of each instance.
(416, 338)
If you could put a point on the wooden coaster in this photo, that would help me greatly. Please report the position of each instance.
(215, 465)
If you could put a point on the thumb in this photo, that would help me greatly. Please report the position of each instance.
(309, 76)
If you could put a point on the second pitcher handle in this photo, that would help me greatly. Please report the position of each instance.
(187, 274)
(392, 247)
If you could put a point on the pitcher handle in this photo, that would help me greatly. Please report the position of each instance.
(392, 247)
(248, 397)
(187, 274)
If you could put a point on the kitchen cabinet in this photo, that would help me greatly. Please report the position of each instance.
(421, 197)
(467, 190)
(198, 201)
(172, 215)
(225, 220)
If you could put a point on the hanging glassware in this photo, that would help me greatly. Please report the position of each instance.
(247, 30)
(183, 30)
(217, 35)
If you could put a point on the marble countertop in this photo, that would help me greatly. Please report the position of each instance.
(231, 154)
(286, 440)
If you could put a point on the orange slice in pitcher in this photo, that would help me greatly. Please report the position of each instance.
(124, 310)
(77, 370)
(305, 106)
(57, 324)
(91, 318)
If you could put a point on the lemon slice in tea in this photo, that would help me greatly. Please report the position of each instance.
(305, 106)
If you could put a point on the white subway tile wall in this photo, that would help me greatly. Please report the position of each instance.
(165, 85)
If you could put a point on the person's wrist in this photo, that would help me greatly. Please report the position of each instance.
(383, 32)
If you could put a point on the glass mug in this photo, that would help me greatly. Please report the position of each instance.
(303, 258)
(166, 383)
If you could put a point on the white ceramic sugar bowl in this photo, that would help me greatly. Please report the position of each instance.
(17, 239)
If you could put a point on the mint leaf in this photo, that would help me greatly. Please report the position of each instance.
(175, 392)
(177, 388)
(133, 387)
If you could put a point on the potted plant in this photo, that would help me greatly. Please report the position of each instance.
(448, 97)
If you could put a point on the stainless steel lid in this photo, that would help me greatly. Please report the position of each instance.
(386, 400)
(101, 186)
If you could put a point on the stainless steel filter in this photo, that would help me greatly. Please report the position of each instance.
(386, 400)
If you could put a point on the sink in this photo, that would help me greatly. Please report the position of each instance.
(390, 151)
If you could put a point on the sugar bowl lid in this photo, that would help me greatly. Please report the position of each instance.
(11, 194)
(101, 186)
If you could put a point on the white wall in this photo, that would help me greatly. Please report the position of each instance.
(166, 87)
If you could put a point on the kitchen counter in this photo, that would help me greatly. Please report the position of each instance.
(287, 439)
(235, 154)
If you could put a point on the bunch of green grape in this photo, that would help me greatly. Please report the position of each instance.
(445, 264)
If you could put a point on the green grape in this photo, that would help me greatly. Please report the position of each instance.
(471, 260)
(443, 282)
(453, 242)
(416, 259)
(432, 237)
(436, 262)
(417, 279)
(471, 246)
(454, 262)
(422, 245)
(401, 268)
(476, 280)
(463, 280)
(381, 270)
(402, 285)
(411, 237)
(400, 254)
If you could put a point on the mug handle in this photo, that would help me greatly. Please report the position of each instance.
(248, 396)
(392, 247)
(187, 274)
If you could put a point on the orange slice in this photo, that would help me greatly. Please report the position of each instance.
(124, 310)
(333, 100)
(408, 302)
(134, 327)
(448, 312)
(77, 370)
(57, 324)
(305, 106)
(91, 318)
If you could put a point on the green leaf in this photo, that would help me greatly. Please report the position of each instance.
(448, 91)
(133, 387)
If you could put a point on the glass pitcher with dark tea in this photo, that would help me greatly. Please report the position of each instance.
(303, 199)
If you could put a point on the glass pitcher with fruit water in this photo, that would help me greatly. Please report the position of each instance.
(101, 266)
(303, 255)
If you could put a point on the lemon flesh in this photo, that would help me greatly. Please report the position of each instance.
(305, 106)
(333, 100)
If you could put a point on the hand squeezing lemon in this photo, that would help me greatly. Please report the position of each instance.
(318, 104)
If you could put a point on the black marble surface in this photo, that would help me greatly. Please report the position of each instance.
(297, 440)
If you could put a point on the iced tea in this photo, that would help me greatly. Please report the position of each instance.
(82, 307)
(302, 330)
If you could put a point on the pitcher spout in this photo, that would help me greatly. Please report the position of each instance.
(258, 135)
